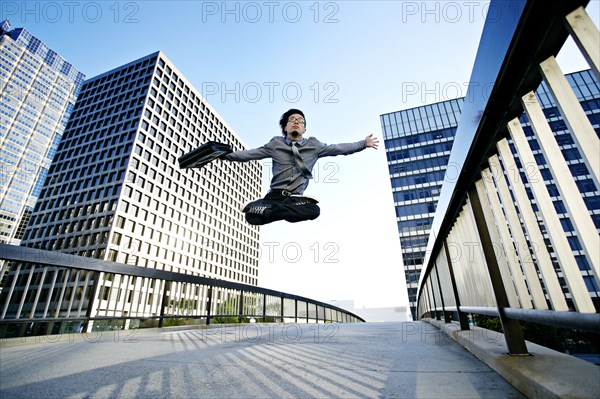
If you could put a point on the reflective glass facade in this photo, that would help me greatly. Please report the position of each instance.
(38, 89)
(418, 142)
(115, 191)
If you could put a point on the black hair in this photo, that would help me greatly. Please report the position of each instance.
(286, 115)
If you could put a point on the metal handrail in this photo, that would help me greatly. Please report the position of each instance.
(53, 259)
(513, 47)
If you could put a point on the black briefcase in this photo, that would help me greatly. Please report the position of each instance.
(204, 155)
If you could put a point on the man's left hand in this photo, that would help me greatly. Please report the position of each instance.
(371, 142)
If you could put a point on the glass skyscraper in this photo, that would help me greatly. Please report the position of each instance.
(418, 143)
(115, 192)
(38, 89)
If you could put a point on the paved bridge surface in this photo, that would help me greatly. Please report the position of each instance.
(362, 360)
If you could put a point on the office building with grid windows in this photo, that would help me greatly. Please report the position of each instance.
(38, 89)
(418, 142)
(115, 192)
(416, 171)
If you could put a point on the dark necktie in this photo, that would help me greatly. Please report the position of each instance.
(300, 162)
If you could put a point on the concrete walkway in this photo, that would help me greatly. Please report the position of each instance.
(362, 360)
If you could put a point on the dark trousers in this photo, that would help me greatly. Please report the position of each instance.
(291, 209)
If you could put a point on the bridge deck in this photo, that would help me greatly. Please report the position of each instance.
(365, 360)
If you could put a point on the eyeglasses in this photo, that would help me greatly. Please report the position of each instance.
(299, 120)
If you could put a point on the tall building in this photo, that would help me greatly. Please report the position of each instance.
(115, 192)
(38, 89)
(418, 143)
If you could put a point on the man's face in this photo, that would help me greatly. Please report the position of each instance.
(295, 127)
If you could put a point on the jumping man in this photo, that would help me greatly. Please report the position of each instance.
(294, 157)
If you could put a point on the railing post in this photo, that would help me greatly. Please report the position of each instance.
(436, 300)
(437, 275)
(585, 34)
(513, 334)
(588, 145)
(264, 307)
(307, 314)
(295, 311)
(511, 219)
(209, 304)
(88, 313)
(462, 316)
(544, 261)
(241, 307)
(579, 293)
(163, 304)
(431, 299)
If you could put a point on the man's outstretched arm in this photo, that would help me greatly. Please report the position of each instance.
(249, 155)
(331, 150)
